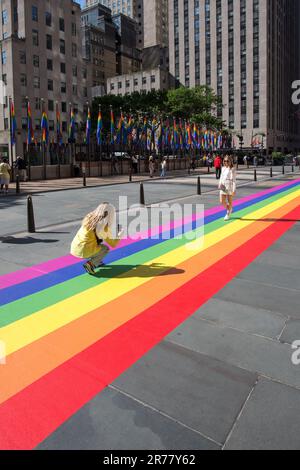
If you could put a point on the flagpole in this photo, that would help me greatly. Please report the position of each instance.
(101, 165)
(27, 146)
(58, 142)
(11, 159)
(43, 145)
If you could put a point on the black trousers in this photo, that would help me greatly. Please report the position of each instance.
(218, 173)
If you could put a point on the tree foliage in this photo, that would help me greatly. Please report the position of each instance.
(194, 104)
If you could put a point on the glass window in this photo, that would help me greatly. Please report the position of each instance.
(35, 37)
(49, 42)
(23, 79)
(36, 61)
(22, 57)
(36, 82)
(62, 46)
(62, 25)
(4, 57)
(48, 19)
(35, 13)
(4, 17)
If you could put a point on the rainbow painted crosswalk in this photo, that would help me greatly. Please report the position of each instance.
(69, 335)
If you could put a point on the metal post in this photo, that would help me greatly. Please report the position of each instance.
(271, 172)
(255, 175)
(30, 216)
(199, 191)
(18, 184)
(142, 195)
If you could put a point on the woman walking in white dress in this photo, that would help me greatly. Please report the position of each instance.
(227, 186)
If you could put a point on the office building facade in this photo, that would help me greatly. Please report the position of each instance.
(41, 61)
(238, 47)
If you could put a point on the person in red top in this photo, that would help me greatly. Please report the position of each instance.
(218, 166)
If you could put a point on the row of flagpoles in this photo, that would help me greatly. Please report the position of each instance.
(148, 135)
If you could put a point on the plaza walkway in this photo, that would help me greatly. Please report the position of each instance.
(170, 346)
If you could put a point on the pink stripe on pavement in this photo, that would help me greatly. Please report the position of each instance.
(27, 274)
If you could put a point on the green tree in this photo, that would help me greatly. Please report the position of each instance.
(189, 102)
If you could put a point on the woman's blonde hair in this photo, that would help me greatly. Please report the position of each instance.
(230, 160)
(103, 212)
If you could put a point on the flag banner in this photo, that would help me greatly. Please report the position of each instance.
(59, 140)
(13, 129)
(88, 128)
(72, 127)
(45, 128)
(99, 128)
(30, 133)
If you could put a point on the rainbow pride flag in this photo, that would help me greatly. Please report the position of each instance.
(112, 127)
(13, 128)
(88, 127)
(45, 128)
(69, 335)
(99, 128)
(72, 126)
(58, 127)
(30, 133)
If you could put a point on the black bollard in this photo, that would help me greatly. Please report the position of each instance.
(18, 184)
(130, 177)
(271, 172)
(283, 170)
(208, 169)
(30, 216)
(255, 175)
(84, 179)
(142, 195)
(293, 169)
(199, 192)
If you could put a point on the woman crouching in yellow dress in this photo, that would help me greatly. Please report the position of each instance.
(96, 229)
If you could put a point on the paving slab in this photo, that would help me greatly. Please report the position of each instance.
(284, 277)
(273, 257)
(114, 421)
(242, 317)
(203, 393)
(256, 295)
(253, 353)
(270, 420)
(291, 332)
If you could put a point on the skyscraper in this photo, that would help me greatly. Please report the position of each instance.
(131, 8)
(248, 51)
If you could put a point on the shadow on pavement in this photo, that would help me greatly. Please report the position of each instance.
(25, 241)
(264, 220)
(129, 271)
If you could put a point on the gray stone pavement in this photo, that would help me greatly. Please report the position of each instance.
(224, 379)
(60, 207)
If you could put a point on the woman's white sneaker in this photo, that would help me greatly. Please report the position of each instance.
(227, 217)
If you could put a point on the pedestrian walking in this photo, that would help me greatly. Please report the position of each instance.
(5, 172)
(21, 166)
(115, 165)
(193, 165)
(96, 229)
(218, 166)
(255, 161)
(151, 166)
(135, 164)
(163, 168)
(227, 186)
(245, 160)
